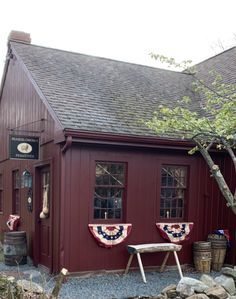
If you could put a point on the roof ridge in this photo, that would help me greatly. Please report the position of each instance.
(98, 57)
(99, 94)
(214, 56)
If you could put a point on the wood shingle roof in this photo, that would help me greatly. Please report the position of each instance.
(101, 95)
(95, 94)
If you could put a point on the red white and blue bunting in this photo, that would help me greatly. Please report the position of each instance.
(223, 232)
(175, 232)
(109, 235)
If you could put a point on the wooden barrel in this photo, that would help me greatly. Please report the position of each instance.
(15, 248)
(218, 250)
(202, 256)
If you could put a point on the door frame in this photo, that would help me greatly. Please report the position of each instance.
(36, 199)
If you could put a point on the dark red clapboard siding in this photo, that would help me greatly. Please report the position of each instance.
(21, 109)
(142, 208)
(72, 175)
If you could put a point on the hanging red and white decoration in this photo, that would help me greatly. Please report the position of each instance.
(175, 232)
(13, 222)
(109, 235)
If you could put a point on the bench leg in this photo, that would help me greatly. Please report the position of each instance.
(129, 263)
(178, 264)
(164, 261)
(141, 267)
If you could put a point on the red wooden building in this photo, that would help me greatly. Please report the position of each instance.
(98, 163)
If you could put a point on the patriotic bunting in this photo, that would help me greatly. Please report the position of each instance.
(223, 232)
(175, 232)
(109, 235)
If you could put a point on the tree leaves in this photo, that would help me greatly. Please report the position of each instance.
(218, 115)
(214, 124)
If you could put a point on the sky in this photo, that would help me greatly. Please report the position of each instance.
(126, 30)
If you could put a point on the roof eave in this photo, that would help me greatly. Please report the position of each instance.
(127, 140)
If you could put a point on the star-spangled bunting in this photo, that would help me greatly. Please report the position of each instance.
(175, 232)
(109, 235)
(223, 232)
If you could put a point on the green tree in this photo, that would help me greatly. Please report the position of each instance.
(213, 126)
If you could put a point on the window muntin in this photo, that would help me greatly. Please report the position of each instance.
(109, 190)
(173, 191)
(16, 192)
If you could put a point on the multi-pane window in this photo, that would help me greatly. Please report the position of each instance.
(173, 191)
(1, 193)
(16, 192)
(109, 190)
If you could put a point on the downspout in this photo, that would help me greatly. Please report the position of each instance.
(67, 144)
(63, 204)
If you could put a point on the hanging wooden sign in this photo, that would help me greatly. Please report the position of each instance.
(23, 147)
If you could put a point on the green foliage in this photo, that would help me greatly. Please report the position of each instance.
(216, 118)
(9, 288)
(171, 62)
(214, 123)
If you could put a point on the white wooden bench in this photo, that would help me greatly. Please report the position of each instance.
(155, 247)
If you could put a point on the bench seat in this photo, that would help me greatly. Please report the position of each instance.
(153, 247)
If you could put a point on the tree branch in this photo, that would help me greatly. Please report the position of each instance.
(232, 156)
(210, 144)
(218, 177)
(227, 97)
(230, 151)
(59, 281)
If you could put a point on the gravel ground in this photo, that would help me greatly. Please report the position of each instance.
(106, 286)
(119, 286)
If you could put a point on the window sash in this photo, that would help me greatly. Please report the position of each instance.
(109, 190)
(173, 191)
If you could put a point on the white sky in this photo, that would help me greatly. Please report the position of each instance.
(125, 30)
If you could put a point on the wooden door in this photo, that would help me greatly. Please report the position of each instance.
(44, 214)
